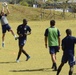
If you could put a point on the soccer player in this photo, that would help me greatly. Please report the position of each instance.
(5, 24)
(52, 36)
(23, 30)
(68, 44)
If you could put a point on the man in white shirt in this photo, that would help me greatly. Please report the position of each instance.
(4, 23)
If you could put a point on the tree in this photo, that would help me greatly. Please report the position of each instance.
(13, 1)
(30, 2)
(23, 3)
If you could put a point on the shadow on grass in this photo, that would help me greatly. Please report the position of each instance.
(33, 70)
(7, 62)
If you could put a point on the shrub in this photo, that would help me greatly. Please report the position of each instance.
(24, 3)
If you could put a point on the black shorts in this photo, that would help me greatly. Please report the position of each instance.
(22, 41)
(5, 28)
(68, 58)
(53, 49)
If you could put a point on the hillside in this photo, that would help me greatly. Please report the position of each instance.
(19, 12)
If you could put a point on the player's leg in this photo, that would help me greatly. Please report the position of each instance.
(53, 56)
(27, 55)
(19, 53)
(55, 49)
(71, 70)
(63, 61)
(22, 42)
(3, 36)
(71, 63)
(52, 66)
(59, 68)
(23, 51)
(13, 34)
(53, 61)
(9, 29)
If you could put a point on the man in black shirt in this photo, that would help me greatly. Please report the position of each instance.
(23, 30)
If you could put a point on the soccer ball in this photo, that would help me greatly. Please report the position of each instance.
(4, 4)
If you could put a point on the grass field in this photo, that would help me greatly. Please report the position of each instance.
(40, 61)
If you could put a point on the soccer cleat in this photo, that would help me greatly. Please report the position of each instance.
(2, 44)
(28, 57)
(16, 38)
(55, 69)
(17, 61)
(52, 67)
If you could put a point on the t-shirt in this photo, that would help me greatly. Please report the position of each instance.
(22, 29)
(68, 44)
(3, 19)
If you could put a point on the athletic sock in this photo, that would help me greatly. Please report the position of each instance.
(2, 44)
(52, 66)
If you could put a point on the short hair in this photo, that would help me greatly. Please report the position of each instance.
(52, 22)
(68, 31)
(24, 20)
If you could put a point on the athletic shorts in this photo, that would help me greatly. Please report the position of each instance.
(22, 41)
(53, 49)
(68, 58)
(5, 28)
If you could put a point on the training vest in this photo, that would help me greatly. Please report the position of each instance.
(52, 36)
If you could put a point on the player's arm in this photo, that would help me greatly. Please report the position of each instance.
(20, 35)
(28, 31)
(2, 9)
(18, 32)
(63, 46)
(59, 41)
(59, 38)
(45, 41)
(45, 38)
(8, 12)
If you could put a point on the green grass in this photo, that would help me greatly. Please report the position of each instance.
(40, 61)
